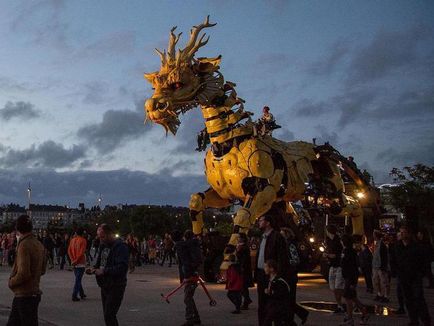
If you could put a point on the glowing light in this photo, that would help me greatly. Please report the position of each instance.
(360, 195)
(117, 235)
(311, 239)
(322, 249)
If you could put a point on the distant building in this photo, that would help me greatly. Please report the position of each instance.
(43, 215)
(11, 212)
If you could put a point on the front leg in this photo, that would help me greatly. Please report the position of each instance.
(199, 202)
(260, 197)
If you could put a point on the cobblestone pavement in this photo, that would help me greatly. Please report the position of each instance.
(143, 304)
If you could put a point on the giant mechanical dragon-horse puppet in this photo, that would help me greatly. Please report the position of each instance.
(242, 166)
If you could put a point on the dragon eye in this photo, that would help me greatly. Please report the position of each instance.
(177, 85)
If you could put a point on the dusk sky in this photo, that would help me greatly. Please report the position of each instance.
(359, 74)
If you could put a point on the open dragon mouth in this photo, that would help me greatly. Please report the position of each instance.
(168, 116)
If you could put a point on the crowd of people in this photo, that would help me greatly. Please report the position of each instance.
(402, 255)
(271, 261)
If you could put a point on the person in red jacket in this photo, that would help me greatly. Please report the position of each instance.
(234, 283)
(77, 254)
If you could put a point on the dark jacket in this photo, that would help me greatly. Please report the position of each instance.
(276, 249)
(349, 264)
(409, 261)
(190, 257)
(427, 252)
(243, 256)
(114, 260)
(334, 246)
(278, 301)
(365, 259)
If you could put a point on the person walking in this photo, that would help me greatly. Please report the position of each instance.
(394, 274)
(380, 265)
(243, 257)
(48, 243)
(350, 273)
(365, 263)
(428, 254)
(168, 249)
(410, 270)
(234, 283)
(111, 270)
(278, 299)
(77, 253)
(272, 247)
(30, 264)
(133, 251)
(333, 254)
(190, 258)
(294, 262)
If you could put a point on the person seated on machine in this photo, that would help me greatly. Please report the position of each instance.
(266, 124)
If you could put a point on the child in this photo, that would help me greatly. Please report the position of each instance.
(234, 283)
(278, 299)
(350, 274)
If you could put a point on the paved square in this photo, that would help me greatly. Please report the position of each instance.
(143, 305)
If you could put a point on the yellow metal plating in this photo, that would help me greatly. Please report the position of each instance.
(276, 170)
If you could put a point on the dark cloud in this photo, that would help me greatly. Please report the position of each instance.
(405, 156)
(308, 108)
(19, 110)
(47, 155)
(388, 52)
(284, 134)
(118, 186)
(323, 135)
(328, 64)
(186, 139)
(116, 127)
(348, 107)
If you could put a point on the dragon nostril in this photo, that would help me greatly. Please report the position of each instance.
(160, 106)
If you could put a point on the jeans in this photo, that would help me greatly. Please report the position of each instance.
(78, 288)
(235, 297)
(191, 313)
(111, 302)
(24, 311)
(415, 300)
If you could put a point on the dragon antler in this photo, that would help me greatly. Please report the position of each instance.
(195, 42)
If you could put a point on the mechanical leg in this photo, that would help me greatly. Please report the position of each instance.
(260, 197)
(200, 201)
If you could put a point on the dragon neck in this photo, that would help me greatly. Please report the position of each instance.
(222, 114)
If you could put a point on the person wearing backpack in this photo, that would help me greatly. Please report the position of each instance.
(278, 299)
(294, 262)
(190, 258)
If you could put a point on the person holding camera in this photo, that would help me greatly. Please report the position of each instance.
(111, 272)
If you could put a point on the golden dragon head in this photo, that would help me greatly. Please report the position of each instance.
(183, 81)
